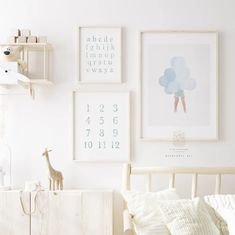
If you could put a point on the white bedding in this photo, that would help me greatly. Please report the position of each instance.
(143, 206)
(187, 217)
(163, 213)
(224, 206)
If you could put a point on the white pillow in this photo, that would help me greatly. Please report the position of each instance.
(229, 217)
(218, 220)
(143, 206)
(187, 217)
(224, 205)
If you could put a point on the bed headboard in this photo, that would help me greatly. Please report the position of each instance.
(129, 170)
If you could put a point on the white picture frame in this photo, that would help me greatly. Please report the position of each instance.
(99, 54)
(178, 85)
(101, 126)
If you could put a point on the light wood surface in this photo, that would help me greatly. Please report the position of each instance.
(13, 221)
(73, 213)
(127, 223)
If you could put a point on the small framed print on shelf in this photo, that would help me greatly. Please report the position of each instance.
(101, 126)
(99, 54)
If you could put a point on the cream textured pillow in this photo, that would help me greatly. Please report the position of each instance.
(187, 217)
(143, 206)
(224, 205)
(218, 220)
(229, 217)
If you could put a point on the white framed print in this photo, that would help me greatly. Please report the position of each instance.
(101, 126)
(99, 54)
(179, 85)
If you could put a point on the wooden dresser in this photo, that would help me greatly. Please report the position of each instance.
(70, 212)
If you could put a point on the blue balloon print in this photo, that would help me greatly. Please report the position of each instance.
(176, 79)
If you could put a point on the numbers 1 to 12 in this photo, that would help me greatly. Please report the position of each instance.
(101, 145)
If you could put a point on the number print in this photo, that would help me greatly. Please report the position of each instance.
(101, 134)
(115, 120)
(88, 108)
(88, 131)
(101, 121)
(100, 125)
(88, 145)
(102, 144)
(101, 108)
(115, 132)
(115, 144)
(88, 120)
(115, 108)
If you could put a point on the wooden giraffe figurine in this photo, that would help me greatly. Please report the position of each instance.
(55, 177)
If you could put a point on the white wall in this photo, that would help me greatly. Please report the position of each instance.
(33, 125)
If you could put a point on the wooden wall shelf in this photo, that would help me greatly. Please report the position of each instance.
(34, 61)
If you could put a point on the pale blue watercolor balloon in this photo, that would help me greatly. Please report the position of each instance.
(177, 77)
(189, 84)
(169, 75)
(178, 61)
(163, 81)
(172, 87)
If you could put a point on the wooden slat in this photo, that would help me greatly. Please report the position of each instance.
(13, 220)
(126, 171)
(194, 186)
(183, 170)
(218, 184)
(127, 223)
(172, 181)
(149, 183)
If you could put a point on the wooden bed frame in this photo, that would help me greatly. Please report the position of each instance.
(129, 170)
